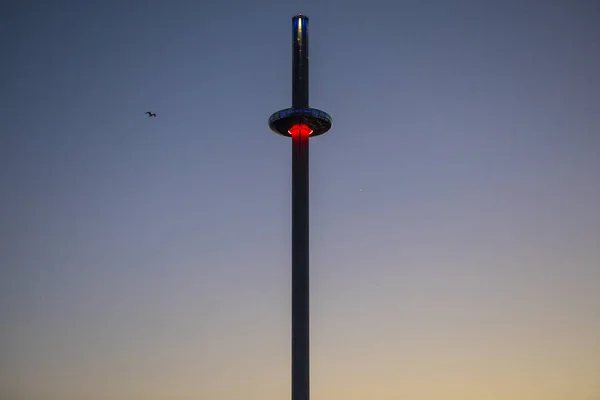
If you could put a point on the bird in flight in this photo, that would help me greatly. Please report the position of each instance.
(150, 114)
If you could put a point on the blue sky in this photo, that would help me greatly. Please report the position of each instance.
(149, 258)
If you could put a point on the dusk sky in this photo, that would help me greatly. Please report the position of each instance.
(455, 203)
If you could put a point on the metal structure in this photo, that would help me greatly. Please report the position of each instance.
(300, 122)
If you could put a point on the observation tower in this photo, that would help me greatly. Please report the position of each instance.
(300, 122)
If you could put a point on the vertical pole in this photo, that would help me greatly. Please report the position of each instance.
(300, 62)
(300, 268)
(300, 219)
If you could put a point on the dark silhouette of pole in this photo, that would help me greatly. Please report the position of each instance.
(300, 122)
(300, 219)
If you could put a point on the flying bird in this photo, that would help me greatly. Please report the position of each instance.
(150, 114)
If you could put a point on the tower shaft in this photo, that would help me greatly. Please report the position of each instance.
(300, 218)
(300, 269)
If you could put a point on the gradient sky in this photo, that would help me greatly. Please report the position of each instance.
(149, 258)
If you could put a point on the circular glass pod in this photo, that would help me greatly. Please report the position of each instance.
(282, 121)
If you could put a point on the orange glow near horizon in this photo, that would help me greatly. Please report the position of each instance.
(300, 129)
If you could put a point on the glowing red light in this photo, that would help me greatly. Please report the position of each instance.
(301, 130)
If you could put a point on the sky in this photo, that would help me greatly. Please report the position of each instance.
(455, 203)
